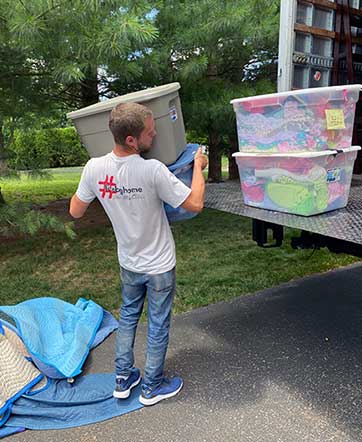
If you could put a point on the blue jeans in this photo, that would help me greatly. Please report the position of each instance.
(160, 290)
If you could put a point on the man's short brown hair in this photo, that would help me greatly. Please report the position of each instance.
(127, 119)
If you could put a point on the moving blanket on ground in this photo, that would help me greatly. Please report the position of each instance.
(108, 325)
(8, 431)
(57, 334)
(62, 405)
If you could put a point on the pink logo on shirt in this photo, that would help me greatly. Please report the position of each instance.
(109, 187)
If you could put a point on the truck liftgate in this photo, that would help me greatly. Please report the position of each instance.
(340, 230)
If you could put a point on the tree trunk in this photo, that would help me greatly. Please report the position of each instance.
(3, 167)
(2, 150)
(233, 168)
(89, 87)
(214, 158)
(2, 201)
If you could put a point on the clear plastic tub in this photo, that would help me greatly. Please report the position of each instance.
(300, 183)
(307, 119)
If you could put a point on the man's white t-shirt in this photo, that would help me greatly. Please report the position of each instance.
(132, 191)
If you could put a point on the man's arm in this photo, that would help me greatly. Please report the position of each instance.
(195, 201)
(77, 207)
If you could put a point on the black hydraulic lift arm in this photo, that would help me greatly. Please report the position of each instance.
(306, 240)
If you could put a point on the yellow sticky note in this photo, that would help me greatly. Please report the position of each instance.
(335, 119)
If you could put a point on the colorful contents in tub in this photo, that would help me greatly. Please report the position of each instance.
(298, 187)
(298, 193)
(297, 122)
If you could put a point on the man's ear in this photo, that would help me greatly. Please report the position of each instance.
(131, 141)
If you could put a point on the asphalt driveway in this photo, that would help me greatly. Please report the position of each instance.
(280, 365)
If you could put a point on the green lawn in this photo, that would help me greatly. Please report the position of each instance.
(56, 185)
(217, 259)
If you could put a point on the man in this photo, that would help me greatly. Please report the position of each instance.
(132, 191)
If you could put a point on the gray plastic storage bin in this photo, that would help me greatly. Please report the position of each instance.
(164, 101)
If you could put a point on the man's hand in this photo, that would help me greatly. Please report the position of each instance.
(201, 159)
(195, 201)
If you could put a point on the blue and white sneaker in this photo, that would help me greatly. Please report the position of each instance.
(124, 386)
(168, 388)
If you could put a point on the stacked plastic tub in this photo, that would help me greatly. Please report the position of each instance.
(169, 146)
(91, 122)
(295, 149)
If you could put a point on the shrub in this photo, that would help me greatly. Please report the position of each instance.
(46, 148)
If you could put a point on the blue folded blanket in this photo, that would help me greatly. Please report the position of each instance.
(59, 335)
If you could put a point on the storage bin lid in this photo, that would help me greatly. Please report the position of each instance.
(314, 90)
(296, 154)
(185, 158)
(137, 97)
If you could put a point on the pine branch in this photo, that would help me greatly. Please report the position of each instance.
(24, 74)
(22, 218)
(26, 9)
(38, 17)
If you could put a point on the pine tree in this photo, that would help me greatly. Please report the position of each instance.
(62, 54)
(206, 45)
